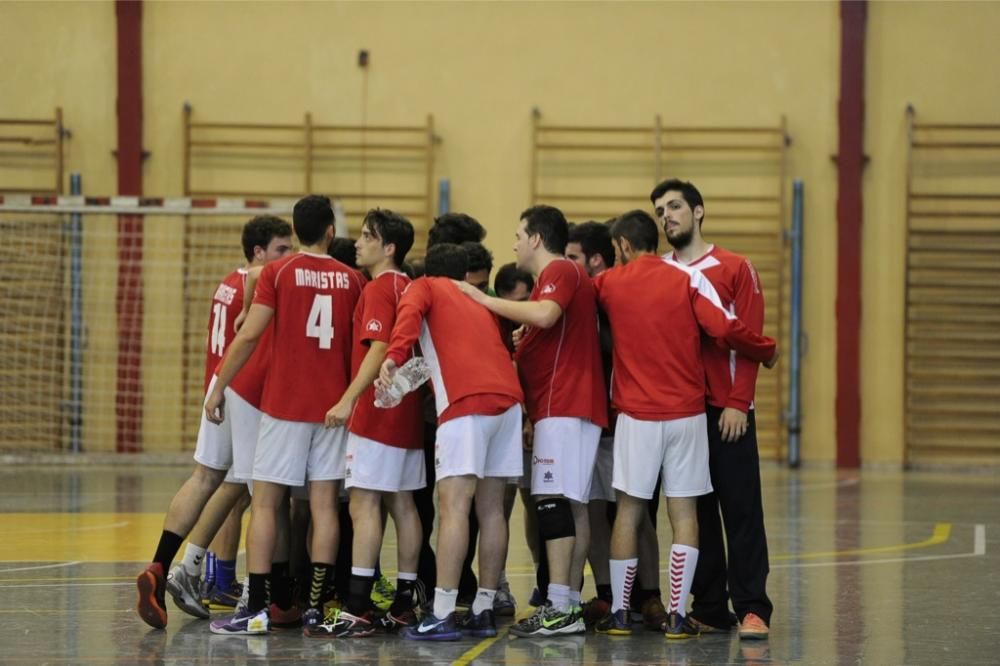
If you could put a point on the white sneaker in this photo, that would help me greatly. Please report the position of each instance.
(185, 591)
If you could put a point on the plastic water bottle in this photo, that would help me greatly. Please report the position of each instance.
(408, 378)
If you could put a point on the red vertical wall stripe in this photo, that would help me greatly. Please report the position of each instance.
(853, 14)
(129, 301)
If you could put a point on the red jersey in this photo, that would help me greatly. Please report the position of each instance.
(313, 297)
(560, 366)
(249, 381)
(226, 306)
(657, 310)
(731, 376)
(471, 370)
(403, 425)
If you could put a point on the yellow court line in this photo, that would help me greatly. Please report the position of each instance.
(942, 532)
(478, 649)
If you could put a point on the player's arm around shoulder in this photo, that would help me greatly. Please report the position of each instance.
(541, 314)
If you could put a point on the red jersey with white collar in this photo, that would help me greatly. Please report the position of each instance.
(731, 376)
(471, 370)
(313, 297)
(560, 366)
(657, 310)
(403, 425)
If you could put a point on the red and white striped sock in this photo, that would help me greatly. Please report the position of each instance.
(623, 573)
(683, 560)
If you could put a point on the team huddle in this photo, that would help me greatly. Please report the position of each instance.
(596, 375)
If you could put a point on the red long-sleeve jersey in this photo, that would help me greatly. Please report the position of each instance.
(471, 369)
(731, 377)
(657, 311)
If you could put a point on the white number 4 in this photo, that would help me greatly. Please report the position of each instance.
(319, 324)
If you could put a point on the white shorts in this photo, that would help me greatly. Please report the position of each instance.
(677, 448)
(562, 460)
(375, 466)
(601, 487)
(292, 452)
(229, 445)
(486, 446)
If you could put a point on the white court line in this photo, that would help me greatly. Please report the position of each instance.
(13, 587)
(57, 565)
(88, 528)
(820, 485)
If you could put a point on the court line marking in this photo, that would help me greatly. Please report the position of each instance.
(57, 565)
(941, 534)
(469, 655)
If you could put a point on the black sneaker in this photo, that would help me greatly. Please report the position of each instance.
(617, 623)
(547, 621)
(481, 625)
(680, 627)
(392, 622)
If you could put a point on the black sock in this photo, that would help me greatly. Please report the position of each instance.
(359, 593)
(320, 586)
(604, 593)
(281, 585)
(169, 544)
(258, 592)
(403, 600)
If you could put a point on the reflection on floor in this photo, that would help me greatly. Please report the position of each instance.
(876, 568)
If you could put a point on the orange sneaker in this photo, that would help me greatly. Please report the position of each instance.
(753, 628)
(151, 585)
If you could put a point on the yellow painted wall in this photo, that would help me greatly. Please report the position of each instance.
(480, 68)
(942, 58)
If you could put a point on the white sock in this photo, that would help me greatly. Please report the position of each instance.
(405, 575)
(683, 560)
(483, 601)
(574, 598)
(623, 574)
(559, 597)
(444, 602)
(193, 555)
(363, 573)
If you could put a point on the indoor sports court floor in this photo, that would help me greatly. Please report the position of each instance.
(876, 568)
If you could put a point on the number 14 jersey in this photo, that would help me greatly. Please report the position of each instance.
(313, 297)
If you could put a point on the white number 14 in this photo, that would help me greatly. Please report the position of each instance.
(319, 324)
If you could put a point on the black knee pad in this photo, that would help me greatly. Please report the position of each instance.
(555, 519)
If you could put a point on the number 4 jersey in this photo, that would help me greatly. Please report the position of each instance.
(313, 297)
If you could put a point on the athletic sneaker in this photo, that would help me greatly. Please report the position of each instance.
(504, 604)
(537, 599)
(594, 611)
(205, 591)
(341, 624)
(285, 618)
(311, 618)
(184, 588)
(152, 607)
(705, 628)
(433, 628)
(225, 600)
(680, 627)
(383, 593)
(654, 615)
(243, 623)
(481, 625)
(391, 622)
(753, 627)
(547, 621)
(615, 624)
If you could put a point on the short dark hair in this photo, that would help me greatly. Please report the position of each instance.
(311, 216)
(343, 250)
(455, 228)
(594, 238)
(549, 223)
(639, 229)
(507, 278)
(690, 193)
(480, 259)
(391, 227)
(446, 260)
(414, 268)
(261, 230)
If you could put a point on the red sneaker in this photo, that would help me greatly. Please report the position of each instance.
(151, 606)
(753, 628)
